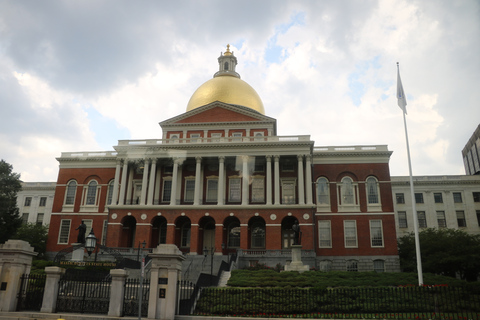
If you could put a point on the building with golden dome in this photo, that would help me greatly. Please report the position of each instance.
(220, 180)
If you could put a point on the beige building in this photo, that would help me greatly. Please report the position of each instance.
(441, 202)
(35, 202)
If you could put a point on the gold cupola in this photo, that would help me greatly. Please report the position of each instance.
(226, 86)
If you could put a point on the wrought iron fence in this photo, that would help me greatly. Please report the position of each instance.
(383, 303)
(130, 301)
(187, 295)
(84, 293)
(32, 287)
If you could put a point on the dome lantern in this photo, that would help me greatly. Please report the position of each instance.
(226, 64)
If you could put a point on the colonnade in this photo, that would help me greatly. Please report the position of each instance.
(151, 181)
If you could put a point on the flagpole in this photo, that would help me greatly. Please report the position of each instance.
(402, 104)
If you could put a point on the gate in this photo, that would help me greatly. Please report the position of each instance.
(187, 296)
(84, 293)
(30, 297)
(130, 301)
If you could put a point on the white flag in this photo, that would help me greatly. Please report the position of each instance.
(402, 100)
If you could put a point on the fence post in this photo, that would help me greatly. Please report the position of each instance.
(50, 294)
(166, 267)
(15, 260)
(117, 292)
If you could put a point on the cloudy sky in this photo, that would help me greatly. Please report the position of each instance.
(81, 75)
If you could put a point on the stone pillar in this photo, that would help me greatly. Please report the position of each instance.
(165, 270)
(198, 170)
(173, 195)
(301, 181)
(269, 180)
(296, 264)
(117, 291)
(308, 179)
(277, 179)
(15, 260)
(151, 186)
(130, 187)
(245, 181)
(116, 183)
(50, 294)
(143, 195)
(123, 184)
(221, 181)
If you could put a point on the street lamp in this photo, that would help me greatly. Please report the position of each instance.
(90, 242)
(140, 287)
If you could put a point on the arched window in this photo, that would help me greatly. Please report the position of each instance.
(257, 233)
(233, 235)
(71, 191)
(91, 193)
(323, 194)
(347, 192)
(110, 192)
(185, 235)
(225, 66)
(372, 190)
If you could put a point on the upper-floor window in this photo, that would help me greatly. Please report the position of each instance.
(324, 234)
(288, 191)
(91, 193)
(376, 233)
(167, 190)
(28, 201)
(40, 218)
(422, 219)
(43, 202)
(71, 191)
(457, 197)
(347, 191)
(212, 190)
(418, 197)
(461, 219)
(476, 196)
(64, 232)
(438, 197)
(400, 198)
(110, 192)
(189, 190)
(323, 191)
(442, 222)
(258, 189)
(402, 219)
(235, 189)
(372, 191)
(350, 232)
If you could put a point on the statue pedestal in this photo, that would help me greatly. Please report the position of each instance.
(297, 264)
(77, 254)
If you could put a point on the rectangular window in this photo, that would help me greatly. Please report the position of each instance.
(167, 190)
(28, 201)
(462, 223)
(418, 197)
(422, 220)
(43, 202)
(189, 190)
(376, 233)
(40, 218)
(438, 197)
(378, 265)
(64, 231)
(235, 190)
(194, 137)
(350, 230)
(457, 197)
(476, 196)
(400, 198)
(25, 217)
(402, 219)
(324, 234)
(258, 187)
(212, 190)
(288, 192)
(104, 232)
(442, 222)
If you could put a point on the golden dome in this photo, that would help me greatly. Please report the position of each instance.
(226, 89)
(226, 86)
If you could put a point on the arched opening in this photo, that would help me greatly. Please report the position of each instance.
(182, 234)
(257, 233)
(232, 234)
(207, 225)
(127, 237)
(159, 231)
(288, 235)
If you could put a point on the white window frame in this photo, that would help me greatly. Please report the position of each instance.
(461, 219)
(42, 202)
(258, 189)
(40, 217)
(27, 202)
(422, 217)
(457, 196)
(350, 233)
(379, 265)
(67, 206)
(87, 206)
(111, 186)
(292, 197)
(164, 195)
(402, 219)
(370, 183)
(212, 190)
(235, 193)
(323, 194)
(342, 205)
(189, 190)
(376, 234)
(64, 228)
(324, 234)
(441, 219)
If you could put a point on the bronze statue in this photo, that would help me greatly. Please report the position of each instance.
(296, 230)
(82, 229)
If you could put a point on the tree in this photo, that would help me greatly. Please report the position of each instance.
(444, 251)
(36, 235)
(9, 186)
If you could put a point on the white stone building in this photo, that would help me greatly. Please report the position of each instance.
(35, 202)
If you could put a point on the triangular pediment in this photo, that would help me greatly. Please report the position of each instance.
(217, 112)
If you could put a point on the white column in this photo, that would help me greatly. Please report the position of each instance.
(173, 195)
(221, 181)
(198, 169)
(269, 179)
(245, 181)
(151, 185)
(130, 187)
(158, 180)
(308, 178)
(277, 179)
(143, 195)
(123, 184)
(116, 183)
(301, 181)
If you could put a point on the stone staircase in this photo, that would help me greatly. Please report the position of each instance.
(224, 277)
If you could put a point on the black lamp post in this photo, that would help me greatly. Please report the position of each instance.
(212, 251)
(140, 288)
(90, 242)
